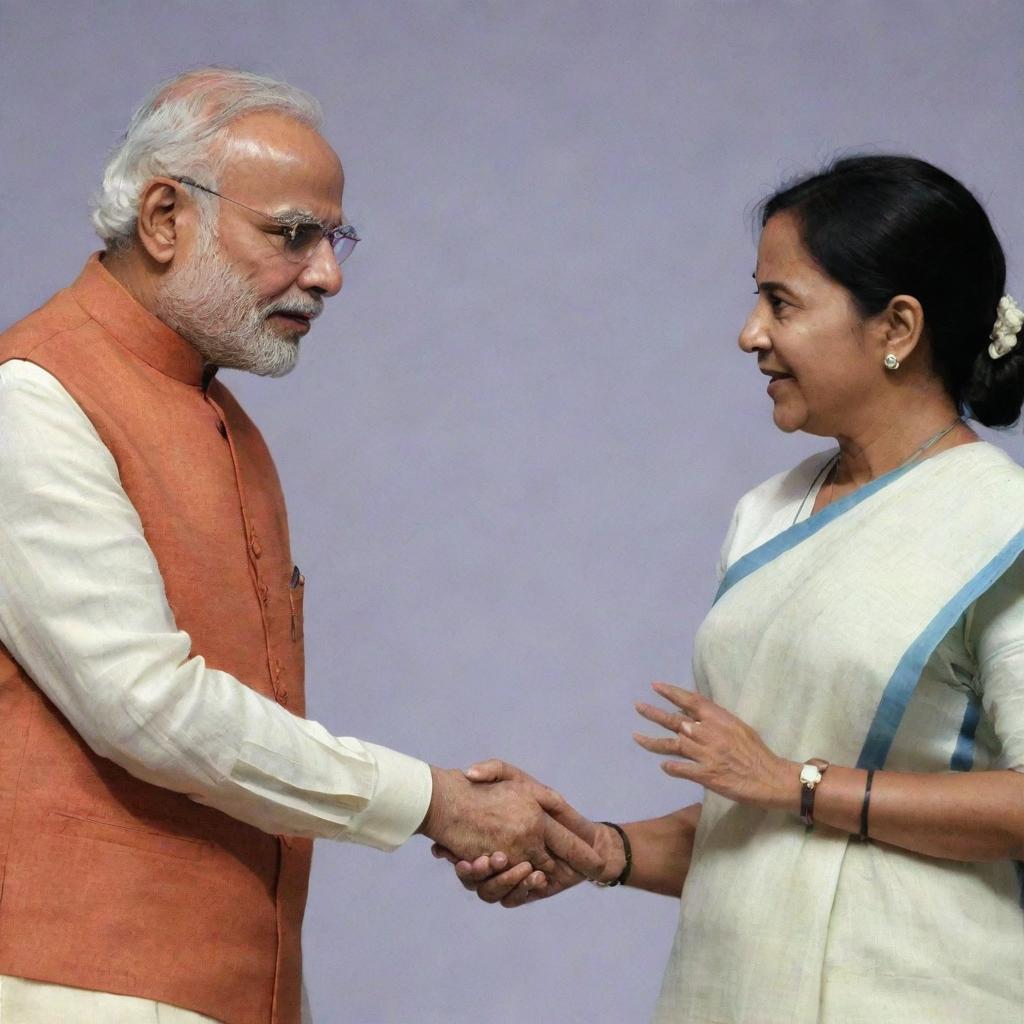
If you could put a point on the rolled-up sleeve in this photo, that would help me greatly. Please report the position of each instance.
(83, 610)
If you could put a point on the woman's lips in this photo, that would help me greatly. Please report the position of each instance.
(778, 380)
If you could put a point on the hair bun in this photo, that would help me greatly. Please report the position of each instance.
(995, 392)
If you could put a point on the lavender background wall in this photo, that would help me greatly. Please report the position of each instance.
(514, 441)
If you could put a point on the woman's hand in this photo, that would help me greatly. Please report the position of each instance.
(721, 753)
(495, 882)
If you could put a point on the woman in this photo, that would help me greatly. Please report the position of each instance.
(863, 664)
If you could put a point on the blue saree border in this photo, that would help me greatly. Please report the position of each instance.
(963, 755)
(903, 681)
(799, 532)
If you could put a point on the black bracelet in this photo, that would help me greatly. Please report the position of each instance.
(865, 806)
(627, 851)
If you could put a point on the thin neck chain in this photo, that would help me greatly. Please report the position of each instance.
(831, 468)
(914, 456)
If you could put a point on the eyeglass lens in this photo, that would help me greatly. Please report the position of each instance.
(300, 242)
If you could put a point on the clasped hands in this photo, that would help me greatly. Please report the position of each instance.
(495, 815)
(548, 845)
(708, 745)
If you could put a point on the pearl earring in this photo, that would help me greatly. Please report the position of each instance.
(891, 362)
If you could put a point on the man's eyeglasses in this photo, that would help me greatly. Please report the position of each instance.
(299, 239)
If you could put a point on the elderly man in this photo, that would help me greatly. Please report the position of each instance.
(159, 786)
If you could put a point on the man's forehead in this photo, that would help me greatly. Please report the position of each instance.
(284, 164)
(248, 145)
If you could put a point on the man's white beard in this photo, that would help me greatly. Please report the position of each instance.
(219, 313)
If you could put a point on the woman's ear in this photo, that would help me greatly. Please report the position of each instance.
(900, 327)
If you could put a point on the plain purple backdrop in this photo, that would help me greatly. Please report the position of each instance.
(513, 442)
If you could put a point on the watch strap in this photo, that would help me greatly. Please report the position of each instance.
(808, 789)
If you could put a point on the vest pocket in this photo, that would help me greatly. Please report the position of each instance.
(296, 592)
(134, 836)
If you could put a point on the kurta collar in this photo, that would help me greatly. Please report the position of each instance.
(110, 304)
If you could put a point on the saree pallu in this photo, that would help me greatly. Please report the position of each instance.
(817, 639)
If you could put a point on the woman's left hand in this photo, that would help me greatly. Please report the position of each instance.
(721, 753)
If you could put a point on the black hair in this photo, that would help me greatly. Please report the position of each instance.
(894, 225)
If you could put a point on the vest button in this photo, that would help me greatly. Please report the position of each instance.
(282, 698)
(264, 592)
(255, 545)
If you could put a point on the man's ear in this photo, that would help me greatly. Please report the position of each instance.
(157, 228)
(900, 327)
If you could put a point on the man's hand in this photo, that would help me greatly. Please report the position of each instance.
(490, 875)
(505, 810)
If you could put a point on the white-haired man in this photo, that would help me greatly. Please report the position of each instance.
(159, 786)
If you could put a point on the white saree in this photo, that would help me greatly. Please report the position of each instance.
(847, 636)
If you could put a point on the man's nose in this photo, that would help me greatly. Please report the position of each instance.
(321, 271)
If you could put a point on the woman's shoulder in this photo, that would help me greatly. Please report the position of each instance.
(985, 471)
(788, 488)
(772, 506)
(991, 455)
(786, 498)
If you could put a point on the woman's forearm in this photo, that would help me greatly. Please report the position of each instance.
(967, 816)
(662, 848)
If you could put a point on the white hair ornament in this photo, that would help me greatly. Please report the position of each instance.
(1009, 320)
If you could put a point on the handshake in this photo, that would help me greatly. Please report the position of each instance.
(512, 839)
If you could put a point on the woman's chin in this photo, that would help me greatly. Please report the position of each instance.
(787, 419)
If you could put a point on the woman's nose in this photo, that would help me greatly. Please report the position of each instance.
(753, 337)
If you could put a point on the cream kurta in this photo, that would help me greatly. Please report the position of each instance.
(813, 641)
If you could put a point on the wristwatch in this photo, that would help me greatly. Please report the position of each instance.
(811, 773)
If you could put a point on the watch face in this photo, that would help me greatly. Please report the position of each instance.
(810, 775)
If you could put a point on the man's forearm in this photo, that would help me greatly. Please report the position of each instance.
(104, 647)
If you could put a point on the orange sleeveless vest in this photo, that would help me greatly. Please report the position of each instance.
(107, 882)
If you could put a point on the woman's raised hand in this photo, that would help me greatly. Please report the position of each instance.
(719, 751)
